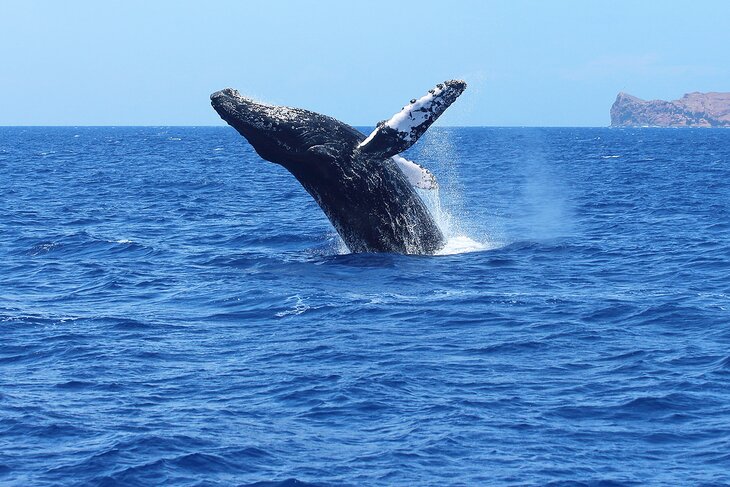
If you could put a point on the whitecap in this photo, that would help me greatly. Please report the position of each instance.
(299, 307)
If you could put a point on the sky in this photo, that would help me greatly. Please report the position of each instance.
(527, 63)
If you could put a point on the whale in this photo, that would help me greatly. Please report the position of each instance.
(363, 185)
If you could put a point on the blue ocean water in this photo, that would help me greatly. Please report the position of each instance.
(175, 310)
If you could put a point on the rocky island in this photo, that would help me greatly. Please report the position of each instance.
(692, 110)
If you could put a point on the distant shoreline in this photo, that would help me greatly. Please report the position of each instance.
(693, 110)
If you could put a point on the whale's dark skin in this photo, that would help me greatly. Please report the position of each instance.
(363, 192)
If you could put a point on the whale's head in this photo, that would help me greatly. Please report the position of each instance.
(284, 135)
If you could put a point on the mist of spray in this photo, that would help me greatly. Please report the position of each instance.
(541, 211)
(445, 203)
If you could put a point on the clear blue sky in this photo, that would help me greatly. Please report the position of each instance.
(541, 63)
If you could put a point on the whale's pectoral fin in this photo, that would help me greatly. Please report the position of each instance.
(405, 127)
(418, 176)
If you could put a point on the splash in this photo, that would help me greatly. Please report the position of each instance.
(454, 229)
(461, 244)
(445, 202)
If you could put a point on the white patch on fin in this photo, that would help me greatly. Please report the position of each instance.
(418, 176)
(411, 115)
(404, 128)
(416, 112)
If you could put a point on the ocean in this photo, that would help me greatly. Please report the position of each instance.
(175, 310)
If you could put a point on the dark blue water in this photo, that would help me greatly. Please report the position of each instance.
(175, 310)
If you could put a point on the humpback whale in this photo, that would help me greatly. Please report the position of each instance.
(362, 184)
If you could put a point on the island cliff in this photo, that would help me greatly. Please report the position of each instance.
(692, 110)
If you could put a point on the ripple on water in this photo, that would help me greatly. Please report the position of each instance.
(176, 314)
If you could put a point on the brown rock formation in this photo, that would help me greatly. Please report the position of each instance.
(692, 110)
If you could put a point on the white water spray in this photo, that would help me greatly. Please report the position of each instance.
(445, 202)
(457, 241)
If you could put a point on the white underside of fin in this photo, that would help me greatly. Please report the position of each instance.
(418, 176)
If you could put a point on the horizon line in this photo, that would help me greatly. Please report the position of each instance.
(356, 126)
(370, 127)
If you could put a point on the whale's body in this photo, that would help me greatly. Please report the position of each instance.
(360, 183)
